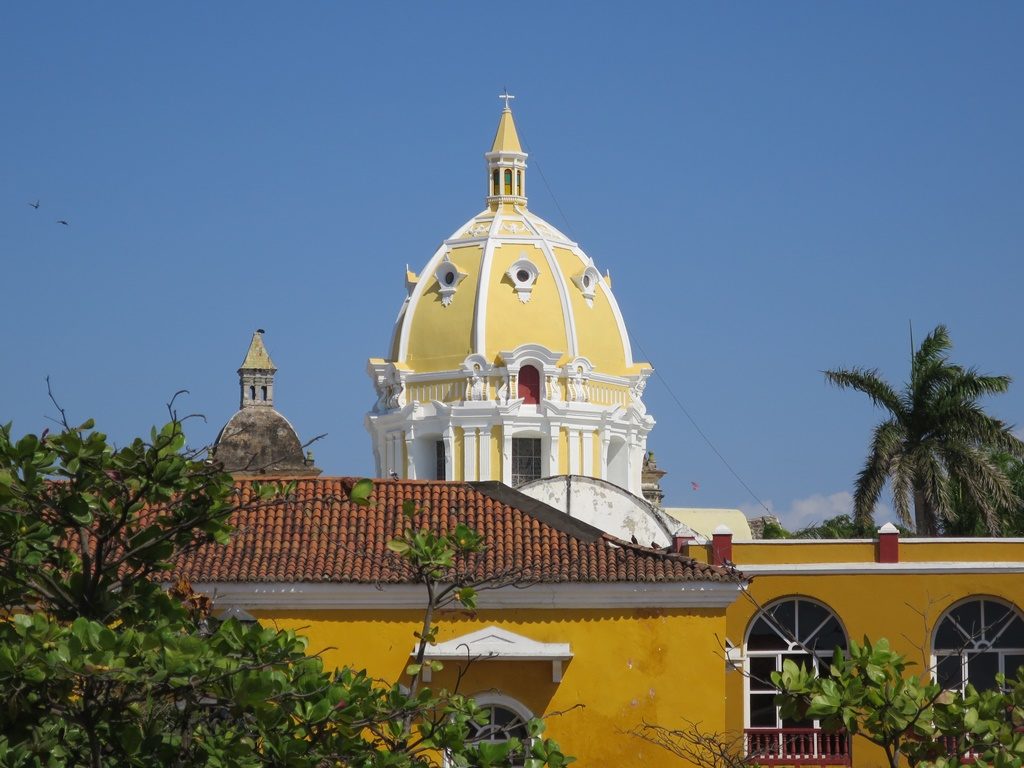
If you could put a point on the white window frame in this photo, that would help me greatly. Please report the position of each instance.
(794, 651)
(982, 645)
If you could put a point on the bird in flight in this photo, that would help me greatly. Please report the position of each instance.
(35, 205)
(62, 221)
(694, 486)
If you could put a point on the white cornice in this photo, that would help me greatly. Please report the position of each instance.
(332, 596)
(835, 569)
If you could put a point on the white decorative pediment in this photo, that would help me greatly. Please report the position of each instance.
(526, 354)
(523, 274)
(495, 643)
(448, 278)
(586, 281)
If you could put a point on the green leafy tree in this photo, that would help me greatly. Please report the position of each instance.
(936, 432)
(870, 694)
(102, 666)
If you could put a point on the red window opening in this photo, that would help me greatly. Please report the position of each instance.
(529, 384)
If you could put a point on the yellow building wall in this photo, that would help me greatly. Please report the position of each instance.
(629, 667)
(563, 451)
(902, 607)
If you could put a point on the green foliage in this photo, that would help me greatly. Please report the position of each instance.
(869, 693)
(838, 527)
(935, 436)
(102, 666)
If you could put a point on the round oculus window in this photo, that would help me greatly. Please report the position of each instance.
(449, 278)
(523, 276)
(586, 281)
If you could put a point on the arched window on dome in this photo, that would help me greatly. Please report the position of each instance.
(496, 182)
(529, 385)
(508, 182)
(795, 628)
(975, 640)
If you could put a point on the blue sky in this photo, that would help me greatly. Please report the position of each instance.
(776, 188)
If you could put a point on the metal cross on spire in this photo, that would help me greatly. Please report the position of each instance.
(507, 97)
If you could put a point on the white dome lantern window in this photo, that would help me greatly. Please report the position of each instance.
(448, 278)
(523, 273)
(587, 281)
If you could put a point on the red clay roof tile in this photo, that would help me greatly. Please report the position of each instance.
(318, 534)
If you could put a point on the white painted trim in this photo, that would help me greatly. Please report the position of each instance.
(962, 540)
(480, 310)
(903, 540)
(832, 569)
(496, 644)
(805, 542)
(563, 290)
(336, 596)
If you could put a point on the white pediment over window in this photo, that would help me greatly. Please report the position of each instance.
(495, 643)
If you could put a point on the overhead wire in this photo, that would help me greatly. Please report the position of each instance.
(657, 372)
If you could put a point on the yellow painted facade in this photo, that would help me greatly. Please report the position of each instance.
(629, 667)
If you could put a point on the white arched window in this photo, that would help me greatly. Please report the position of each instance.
(795, 628)
(506, 719)
(975, 640)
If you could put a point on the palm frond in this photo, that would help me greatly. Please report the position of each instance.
(868, 381)
(885, 447)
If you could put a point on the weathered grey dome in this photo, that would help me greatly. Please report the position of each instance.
(258, 440)
(261, 441)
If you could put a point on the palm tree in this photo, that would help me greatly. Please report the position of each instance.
(935, 432)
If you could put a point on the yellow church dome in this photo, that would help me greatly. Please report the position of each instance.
(510, 360)
(505, 278)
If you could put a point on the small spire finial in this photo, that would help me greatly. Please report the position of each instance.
(507, 97)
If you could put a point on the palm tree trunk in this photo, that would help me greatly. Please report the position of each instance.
(924, 515)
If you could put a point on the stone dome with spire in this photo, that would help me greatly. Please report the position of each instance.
(258, 440)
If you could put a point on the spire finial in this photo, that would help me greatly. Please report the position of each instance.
(507, 97)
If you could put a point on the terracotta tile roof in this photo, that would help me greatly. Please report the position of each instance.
(318, 535)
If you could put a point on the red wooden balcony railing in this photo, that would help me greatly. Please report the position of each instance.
(797, 746)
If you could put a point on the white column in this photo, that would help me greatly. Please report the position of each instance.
(553, 443)
(449, 453)
(410, 465)
(469, 454)
(506, 455)
(392, 453)
(574, 452)
(588, 453)
(485, 453)
(636, 463)
(605, 440)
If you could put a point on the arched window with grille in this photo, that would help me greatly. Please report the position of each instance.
(975, 640)
(806, 632)
(505, 718)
